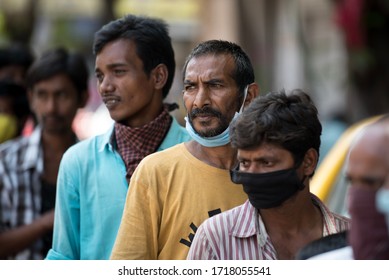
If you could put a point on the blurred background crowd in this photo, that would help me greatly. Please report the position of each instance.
(333, 49)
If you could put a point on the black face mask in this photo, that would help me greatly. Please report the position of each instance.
(268, 190)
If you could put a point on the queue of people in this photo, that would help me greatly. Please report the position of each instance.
(232, 184)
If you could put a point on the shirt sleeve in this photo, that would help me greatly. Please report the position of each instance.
(137, 238)
(4, 200)
(66, 235)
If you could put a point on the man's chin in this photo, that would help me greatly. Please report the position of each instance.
(207, 133)
(55, 130)
(210, 129)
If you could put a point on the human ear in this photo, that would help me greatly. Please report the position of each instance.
(252, 92)
(310, 161)
(160, 74)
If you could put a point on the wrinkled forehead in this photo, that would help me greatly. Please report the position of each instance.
(209, 65)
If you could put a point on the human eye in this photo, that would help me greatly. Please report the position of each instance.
(41, 94)
(119, 71)
(364, 182)
(189, 87)
(267, 163)
(373, 183)
(99, 76)
(216, 85)
(243, 164)
(63, 94)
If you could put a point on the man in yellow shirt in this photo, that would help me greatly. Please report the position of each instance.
(172, 192)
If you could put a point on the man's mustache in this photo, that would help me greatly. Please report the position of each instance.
(52, 116)
(204, 111)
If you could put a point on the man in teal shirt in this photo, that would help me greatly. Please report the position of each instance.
(134, 70)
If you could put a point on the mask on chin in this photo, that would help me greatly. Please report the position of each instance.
(217, 140)
(268, 190)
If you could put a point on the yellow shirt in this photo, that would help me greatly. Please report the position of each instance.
(171, 193)
(8, 127)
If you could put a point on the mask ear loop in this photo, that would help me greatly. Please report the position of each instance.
(297, 165)
(244, 98)
(236, 168)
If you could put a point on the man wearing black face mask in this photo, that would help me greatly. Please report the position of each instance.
(278, 140)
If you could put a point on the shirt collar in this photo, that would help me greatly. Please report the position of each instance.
(252, 224)
(108, 140)
(33, 156)
(247, 217)
(328, 217)
(34, 153)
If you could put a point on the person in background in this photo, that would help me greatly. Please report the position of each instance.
(8, 127)
(15, 60)
(278, 141)
(367, 171)
(172, 192)
(14, 106)
(134, 70)
(57, 88)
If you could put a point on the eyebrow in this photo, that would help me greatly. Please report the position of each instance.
(113, 65)
(215, 81)
(211, 81)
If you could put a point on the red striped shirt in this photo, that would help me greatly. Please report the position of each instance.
(240, 234)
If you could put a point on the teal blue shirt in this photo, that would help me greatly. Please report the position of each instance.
(91, 192)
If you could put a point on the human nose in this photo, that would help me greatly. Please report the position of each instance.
(51, 104)
(251, 169)
(105, 85)
(202, 98)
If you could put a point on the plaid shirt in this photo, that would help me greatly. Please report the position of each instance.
(136, 143)
(21, 167)
(240, 234)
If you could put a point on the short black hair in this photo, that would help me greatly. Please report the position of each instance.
(243, 73)
(18, 94)
(288, 121)
(322, 245)
(151, 38)
(59, 61)
(16, 54)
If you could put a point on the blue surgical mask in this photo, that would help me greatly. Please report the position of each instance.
(217, 140)
(382, 202)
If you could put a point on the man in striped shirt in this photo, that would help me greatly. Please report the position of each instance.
(278, 141)
(57, 84)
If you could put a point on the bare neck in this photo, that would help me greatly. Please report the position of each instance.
(293, 225)
(54, 146)
(294, 215)
(58, 143)
(223, 157)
